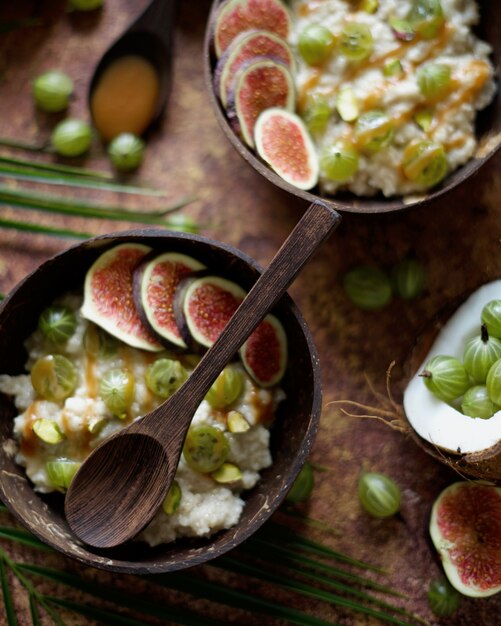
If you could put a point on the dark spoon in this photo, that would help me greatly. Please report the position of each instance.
(121, 485)
(151, 37)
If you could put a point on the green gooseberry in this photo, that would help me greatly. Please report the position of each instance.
(443, 599)
(480, 354)
(446, 377)
(491, 317)
(71, 137)
(408, 278)
(126, 151)
(315, 44)
(226, 389)
(368, 287)
(85, 5)
(303, 485)
(205, 448)
(379, 495)
(165, 376)
(476, 403)
(52, 91)
(493, 382)
(57, 324)
(60, 472)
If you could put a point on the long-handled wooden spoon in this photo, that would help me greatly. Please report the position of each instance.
(121, 485)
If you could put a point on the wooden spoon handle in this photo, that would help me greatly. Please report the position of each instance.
(313, 228)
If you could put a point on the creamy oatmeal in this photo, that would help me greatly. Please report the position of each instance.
(53, 432)
(402, 113)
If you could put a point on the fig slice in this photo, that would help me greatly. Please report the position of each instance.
(108, 296)
(465, 527)
(155, 282)
(264, 354)
(244, 48)
(235, 16)
(283, 141)
(207, 305)
(259, 85)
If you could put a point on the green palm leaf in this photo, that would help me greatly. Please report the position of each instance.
(35, 617)
(10, 612)
(56, 167)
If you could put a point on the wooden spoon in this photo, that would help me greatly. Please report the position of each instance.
(151, 37)
(121, 485)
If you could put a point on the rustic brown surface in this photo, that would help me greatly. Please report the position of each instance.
(457, 238)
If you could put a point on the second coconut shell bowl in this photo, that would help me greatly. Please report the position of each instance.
(488, 132)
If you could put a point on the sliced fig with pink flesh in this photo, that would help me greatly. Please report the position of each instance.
(108, 296)
(155, 283)
(235, 16)
(244, 48)
(465, 527)
(208, 304)
(259, 85)
(283, 142)
(264, 354)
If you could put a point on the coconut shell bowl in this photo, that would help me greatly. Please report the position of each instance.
(487, 128)
(292, 431)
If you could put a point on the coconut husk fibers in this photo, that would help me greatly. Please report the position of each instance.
(457, 239)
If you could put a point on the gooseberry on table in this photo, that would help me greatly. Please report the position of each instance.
(408, 278)
(368, 287)
(52, 91)
(126, 151)
(71, 137)
(379, 494)
(302, 486)
(443, 599)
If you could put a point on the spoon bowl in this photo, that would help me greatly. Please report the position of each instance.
(150, 37)
(291, 435)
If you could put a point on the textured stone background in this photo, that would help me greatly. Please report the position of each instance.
(457, 239)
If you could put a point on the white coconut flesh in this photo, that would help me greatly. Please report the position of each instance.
(436, 421)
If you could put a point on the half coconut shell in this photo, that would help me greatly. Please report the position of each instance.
(471, 446)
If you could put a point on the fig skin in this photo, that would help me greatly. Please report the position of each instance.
(243, 110)
(246, 47)
(179, 316)
(235, 16)
(279, 360)
(114, 321)
(287, 127)
(484, 464)
(138, 286)
(465, 528)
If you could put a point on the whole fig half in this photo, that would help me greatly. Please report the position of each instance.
(465, 527)
(108, 296)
